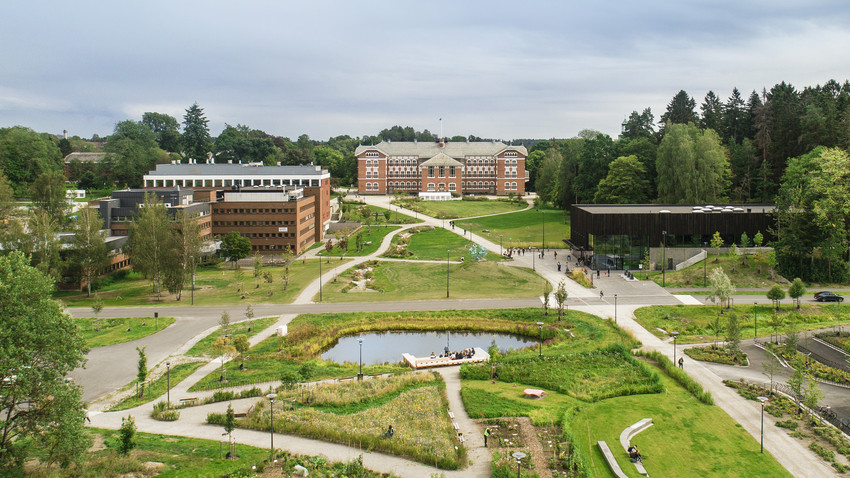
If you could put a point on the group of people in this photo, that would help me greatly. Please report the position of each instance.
(463, 354)
(634, 454)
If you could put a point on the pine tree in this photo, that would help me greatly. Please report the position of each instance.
(196, 134)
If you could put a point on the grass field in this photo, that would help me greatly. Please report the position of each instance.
(524, 228)
(687, 438)
(114, 331)
(159, 386)
(743, 271)
(395, 217)
(215, 285)
(372, 237)
(423, 281)
(694, 322)
(204, 346)
(460, 208)
(434, 244)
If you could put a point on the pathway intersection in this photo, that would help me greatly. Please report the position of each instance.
(111, 367)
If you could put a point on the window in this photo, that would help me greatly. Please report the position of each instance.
(442, 171)
(513, 162)
(452, 186)
(371, 154)
(430, 186)
(368, 174)
(510, 154)
(451, 171)
(430, 172)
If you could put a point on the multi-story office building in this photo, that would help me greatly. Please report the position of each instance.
(119, 210)
(481, 167)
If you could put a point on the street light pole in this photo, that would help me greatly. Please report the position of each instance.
(543, 241)
(663, 259)
(540, 336)
(755, 321)
(360, 375)
(615, 308)
(500, 244)
(271, 398)
(675, 336)
(168, 374)
(320, 279)
(762, 400)
(705, 265)
(447, 273)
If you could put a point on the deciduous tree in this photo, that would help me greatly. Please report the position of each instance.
(626, 183)
(150, 240)
(89, 254)
(235, 247)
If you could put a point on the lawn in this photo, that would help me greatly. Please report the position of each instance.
(743, 271)
(355, 211)
(393, 281)
(418, 415)
(687, 438)
(433, 245)
(524, 228)
(158, 387)
(370, 241)
(204, 346)
(215, 285)
(695, 322)
(101, 332)
(461, 208)
(488, 399)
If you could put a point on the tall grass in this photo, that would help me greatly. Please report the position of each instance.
(679, 375)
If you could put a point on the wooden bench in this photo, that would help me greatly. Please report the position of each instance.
(240, 414)
(626, 438)
(189, 401)
(612, 462)
(451, 415)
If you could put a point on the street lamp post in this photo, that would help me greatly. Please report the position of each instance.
(540, 336)
(500, 244)
(320, 279)
(663, 259)
(518, 456)
(271, 398)
(543, 241)
(447, 273)
(705, 265)
(755, 321)
(360, 375)
(675, 336)
(615, 308)
(762, 400)
(168, 384)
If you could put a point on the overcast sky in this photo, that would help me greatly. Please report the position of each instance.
(325, 68)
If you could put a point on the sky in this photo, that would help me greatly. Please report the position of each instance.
(495, 69)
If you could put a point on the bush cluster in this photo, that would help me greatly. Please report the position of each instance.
(679, 375)
(163, 412)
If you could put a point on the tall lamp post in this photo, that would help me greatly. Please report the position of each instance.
(500, 244)
(755, 321)
(543, 241)
(705, 265)
(447, 273)
(762, 400)
(168, 384)
(615, 308)
(271, 398)
(320, 279)
(663, 258)
(675, 336)
(360, 375)
(540, 336)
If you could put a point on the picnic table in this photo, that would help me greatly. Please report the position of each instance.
(533, 392)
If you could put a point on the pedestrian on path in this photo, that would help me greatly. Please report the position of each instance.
(681, 363)
(559, 266)
(486, 434)
(601, 295)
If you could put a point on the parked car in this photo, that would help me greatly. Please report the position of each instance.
(826, 296)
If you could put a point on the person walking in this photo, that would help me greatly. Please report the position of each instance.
(486, 434)
(601, 295)
(681, 363)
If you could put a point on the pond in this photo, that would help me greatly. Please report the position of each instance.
(388, 347)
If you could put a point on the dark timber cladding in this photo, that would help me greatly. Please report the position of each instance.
(681, 221)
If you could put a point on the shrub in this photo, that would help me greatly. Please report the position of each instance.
(789, 424)
(163, 412)
(713, 353)
(679, 375)
(825, 453)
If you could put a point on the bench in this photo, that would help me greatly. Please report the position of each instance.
(626, 438)
(533, 392)
(451, 415)
(189, 401)
(612, 462)
(240, 414)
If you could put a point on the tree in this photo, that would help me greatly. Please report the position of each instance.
(771, 368)
(795, 382)
(745, 240)
(639, 125)
(48, 194)
(224, 323)
(230, 425)
(626, 183)
(733, 333)
(166, 128)
(196, 134)
(7, 200)
(182, 253)
(249, 315)
(25, 154)
(735, 118)
(235, 247)
(96, 308)
(775, 322)
(716, 244)
(127, 435)
(561, 296)
(258, 269)
(716, 327)
(721, 287)
(797, 290)
(691, 166)
(89, 253)
(712, 113)
(269, 278)
(39, 346)
(141, 371)
(812, 394)
(132, 152)
(680, 110)
(792, 336)
(546, 294)
(241, 344)
(45, 244)
(225, 350)
(775, 294)
(758, 240)
(150, 237)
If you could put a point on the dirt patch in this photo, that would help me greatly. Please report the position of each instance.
(538, 455)
(97, 443)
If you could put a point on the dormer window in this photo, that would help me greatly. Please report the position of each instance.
(374, 154)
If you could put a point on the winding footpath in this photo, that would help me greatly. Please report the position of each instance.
(113, 366)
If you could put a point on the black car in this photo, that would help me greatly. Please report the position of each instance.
(826, 296)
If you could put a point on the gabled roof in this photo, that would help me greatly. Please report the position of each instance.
(442, 159)
(458, 149)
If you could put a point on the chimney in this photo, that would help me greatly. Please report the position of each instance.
(65, 133)
(442, 142)
(229, 161)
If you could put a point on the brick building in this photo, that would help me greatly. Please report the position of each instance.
(482, 167)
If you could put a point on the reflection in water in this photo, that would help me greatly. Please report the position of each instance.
(388, 347)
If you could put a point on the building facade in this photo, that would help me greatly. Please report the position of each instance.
(119, 210)
(482, 167)
(314, 181)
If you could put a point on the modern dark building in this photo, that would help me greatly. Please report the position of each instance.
(619, 236)
(119, 210)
